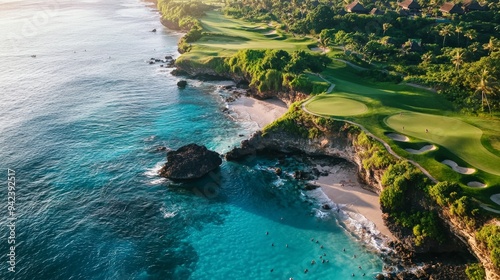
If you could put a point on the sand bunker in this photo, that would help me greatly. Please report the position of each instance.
(495, 198)
(398, 137)
(476, 184)
(459, 169)
(422, 150)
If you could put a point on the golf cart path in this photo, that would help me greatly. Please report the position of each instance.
(332, 86)
(389, 149)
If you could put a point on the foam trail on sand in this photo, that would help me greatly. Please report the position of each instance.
(358, 225)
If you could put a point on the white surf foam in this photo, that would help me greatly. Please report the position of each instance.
(153, 172)
(358, 225)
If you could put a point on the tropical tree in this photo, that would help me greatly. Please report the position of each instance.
(386, 26)
(470, 34)
(493, 45)
(427, 58)
(446, 31)
(459, 29)
(458, 58)
(486, 86)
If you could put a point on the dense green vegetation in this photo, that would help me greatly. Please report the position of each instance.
(489, 237)
(275, 70)
(475, 272)
(459, 55)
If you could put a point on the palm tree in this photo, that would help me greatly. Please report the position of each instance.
(386, 26)
(426, 58)
(486, 85)
(459, 29)
(445, 32)
(492, 45)
(458, 59)
(470, 34)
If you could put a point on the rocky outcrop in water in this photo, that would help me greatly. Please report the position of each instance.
(190, 162)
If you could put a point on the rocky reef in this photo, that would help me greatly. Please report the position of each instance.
(190, 162)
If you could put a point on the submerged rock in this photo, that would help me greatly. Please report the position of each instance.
(190, 162)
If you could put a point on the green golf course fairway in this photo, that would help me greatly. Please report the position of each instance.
(459, 137)
(336, 106)
(230, 33)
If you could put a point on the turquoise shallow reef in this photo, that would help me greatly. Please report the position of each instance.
(80, 124)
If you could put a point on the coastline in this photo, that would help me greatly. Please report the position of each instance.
(260, 112)
(341, 185)
(344, 189)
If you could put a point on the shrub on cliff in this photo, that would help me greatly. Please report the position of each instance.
(475, 272)
(182, 15)
(399, 181)
(451, 195)
(295, 122)
(276, 70)
(489, 236)
(374, 154)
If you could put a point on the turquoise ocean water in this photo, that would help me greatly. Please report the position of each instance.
(80, 124)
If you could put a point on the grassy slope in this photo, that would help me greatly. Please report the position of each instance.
(227, 36)
(459, 137)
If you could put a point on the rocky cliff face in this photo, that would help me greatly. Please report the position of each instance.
(334, 144)
(342, 143)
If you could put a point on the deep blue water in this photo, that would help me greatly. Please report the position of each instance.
(80, 124)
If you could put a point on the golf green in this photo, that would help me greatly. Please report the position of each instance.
(459, 137)
(336, 106)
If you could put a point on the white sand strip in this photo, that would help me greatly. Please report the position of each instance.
(342, 187)
(422, 150)
(459, 169)
(398, 137)
(262, 112)
(476, 184)
(495, 198)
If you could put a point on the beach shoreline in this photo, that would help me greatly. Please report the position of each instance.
(343, 188)
(260, 112)
(341, 185)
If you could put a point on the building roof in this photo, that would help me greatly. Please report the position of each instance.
(376, 11)
(451, 8)
(472, 5)
(355, 7)
(410, 5)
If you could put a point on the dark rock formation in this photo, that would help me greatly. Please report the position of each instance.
(190, 162)
(182, 84)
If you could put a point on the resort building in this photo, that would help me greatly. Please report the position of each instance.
(356, 7)
(451, 8)
(471, 6)
(410, 5)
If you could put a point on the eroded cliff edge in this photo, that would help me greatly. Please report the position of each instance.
(298, 132)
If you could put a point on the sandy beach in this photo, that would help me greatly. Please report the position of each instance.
(261, 112)
(341, 185)
(343, 188)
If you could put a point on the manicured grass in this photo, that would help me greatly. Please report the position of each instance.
(337, 106)
(461, 138)
(469, 141)
(233, 34)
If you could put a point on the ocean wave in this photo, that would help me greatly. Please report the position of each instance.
(153, 172)
(168, 214)
(356, 224)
